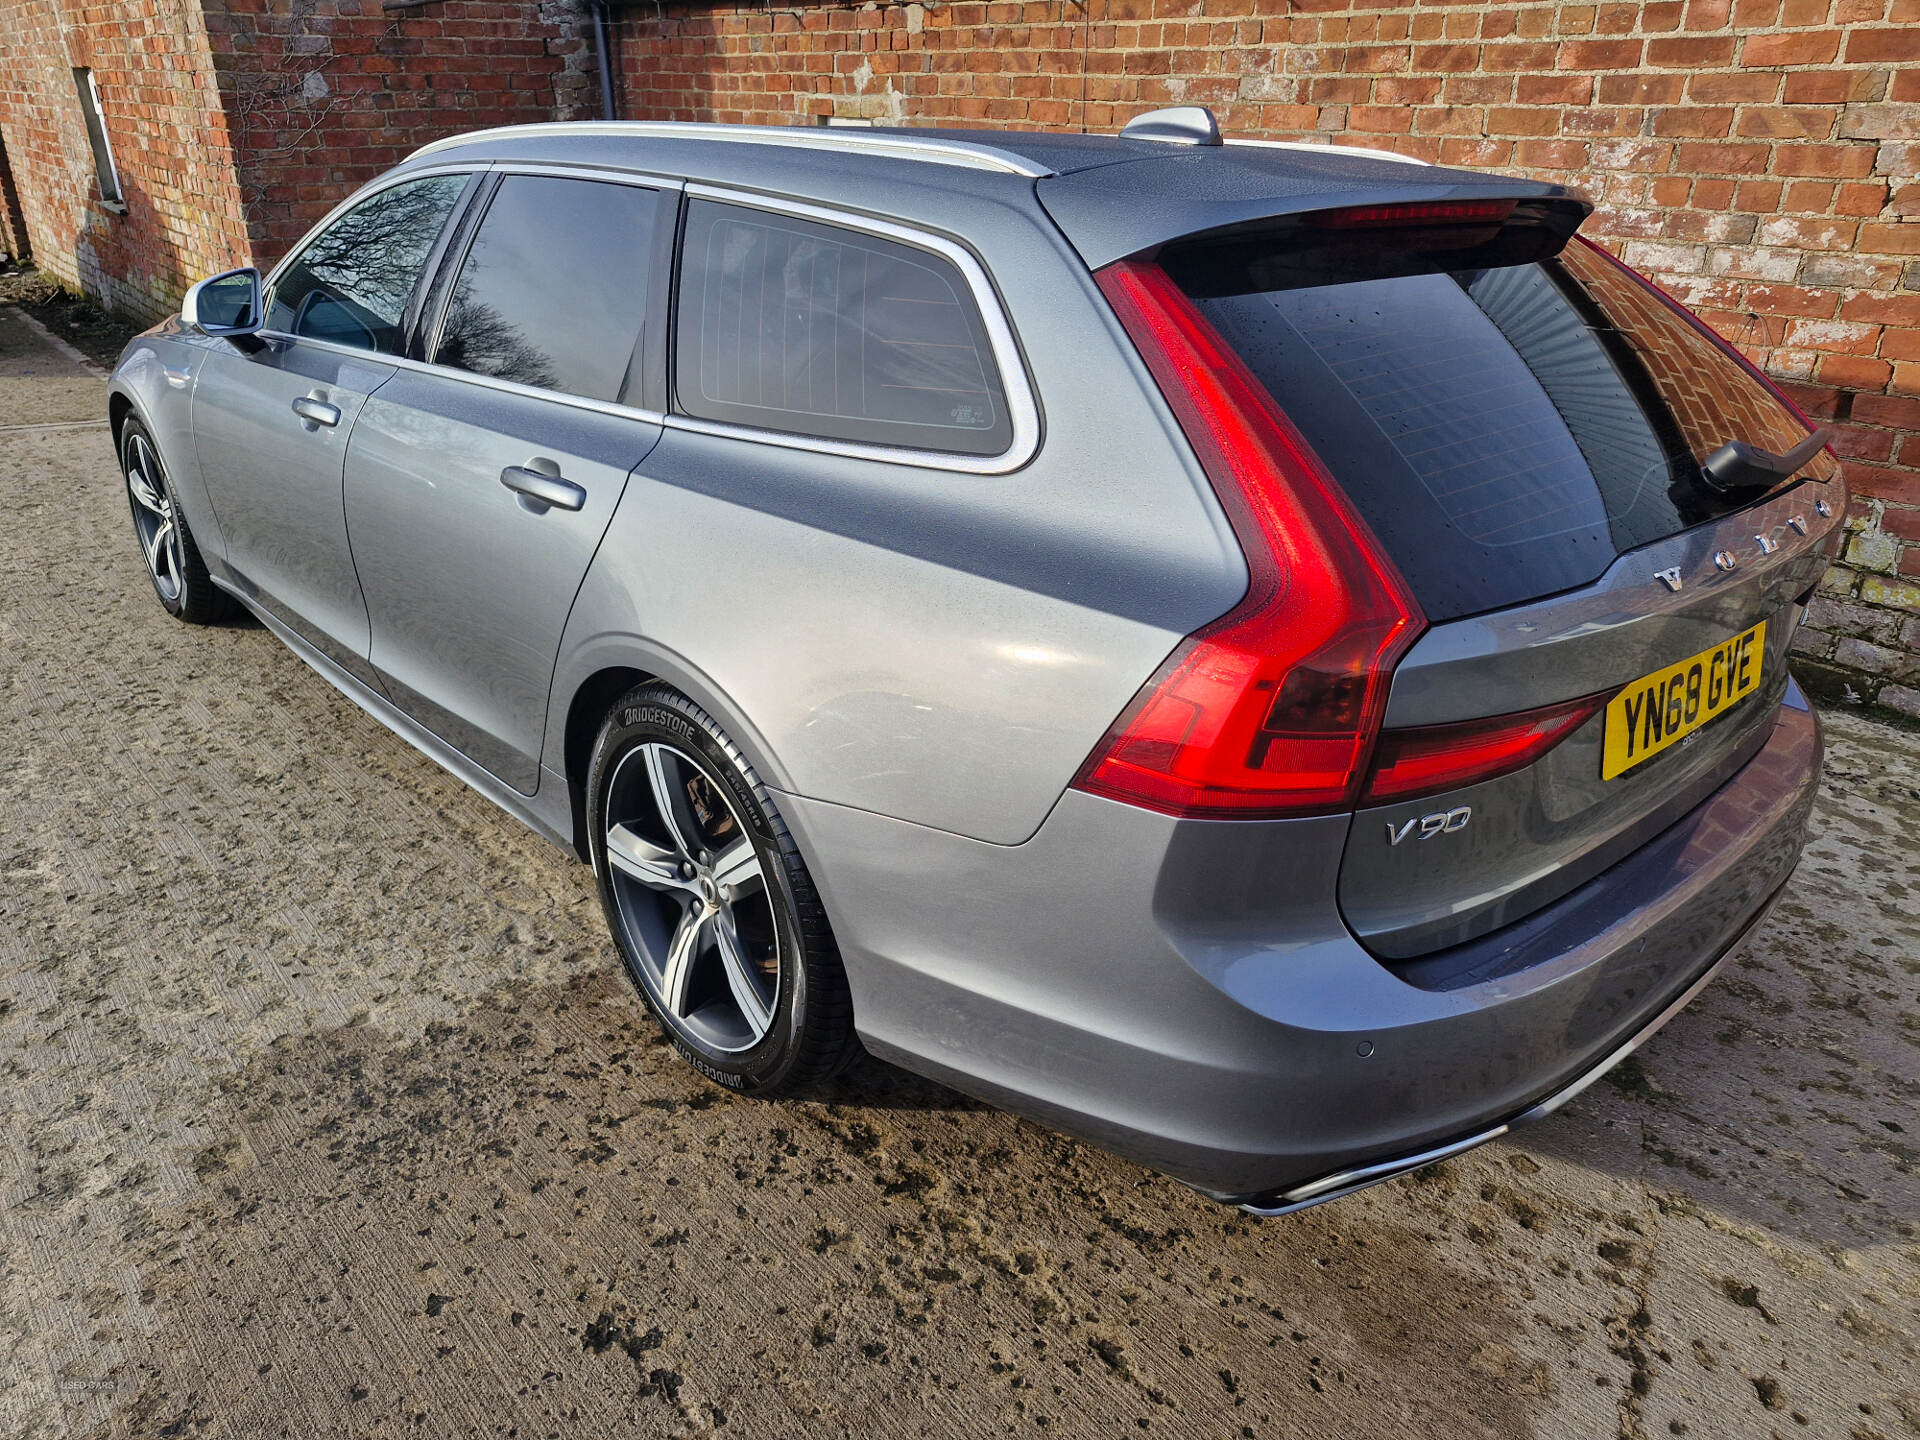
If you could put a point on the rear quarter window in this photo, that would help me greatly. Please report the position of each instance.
(816, 330)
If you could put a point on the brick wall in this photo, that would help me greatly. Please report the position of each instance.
(155, 75)
(1761, 158)
(238, 123)
(322, 95)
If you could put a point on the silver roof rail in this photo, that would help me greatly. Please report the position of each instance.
(1329, 148)
(963, 153)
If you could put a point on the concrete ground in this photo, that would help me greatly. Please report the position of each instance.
(327, 1111)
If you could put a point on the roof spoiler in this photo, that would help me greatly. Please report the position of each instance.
(1373, 241)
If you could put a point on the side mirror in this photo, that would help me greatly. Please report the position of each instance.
(226, 304)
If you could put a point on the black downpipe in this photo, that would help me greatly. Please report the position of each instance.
(602, 34)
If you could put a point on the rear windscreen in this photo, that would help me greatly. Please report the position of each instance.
(1508, 432)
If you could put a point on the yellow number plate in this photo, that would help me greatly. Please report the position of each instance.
(1660, 709)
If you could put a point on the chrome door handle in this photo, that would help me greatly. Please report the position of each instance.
(316, 412)
(542, 490)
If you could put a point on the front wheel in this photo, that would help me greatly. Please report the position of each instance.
(174, 565)
(710, 902)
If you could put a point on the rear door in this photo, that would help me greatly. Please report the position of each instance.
(1526, 441)
(271, 415)
(480, 482)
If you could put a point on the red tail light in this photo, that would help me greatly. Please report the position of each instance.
(1273, 708)
(1427, 759)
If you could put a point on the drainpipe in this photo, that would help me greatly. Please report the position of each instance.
(602, 34)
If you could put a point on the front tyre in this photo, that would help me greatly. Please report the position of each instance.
(710, 902)
(174, 565)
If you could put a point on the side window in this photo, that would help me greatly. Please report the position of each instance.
(790, 325)
(553, 289)
(352, 282)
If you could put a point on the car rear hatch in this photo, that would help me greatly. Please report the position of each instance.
(1607, 519)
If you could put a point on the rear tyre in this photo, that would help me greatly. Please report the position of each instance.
(709, 901)
(174, 565)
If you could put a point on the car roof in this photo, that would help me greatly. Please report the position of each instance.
(1112, 195)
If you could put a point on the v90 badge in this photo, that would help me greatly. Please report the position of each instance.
(1440, 822)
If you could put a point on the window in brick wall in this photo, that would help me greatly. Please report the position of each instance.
(104, 168)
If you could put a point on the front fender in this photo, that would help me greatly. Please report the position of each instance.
(154, 381)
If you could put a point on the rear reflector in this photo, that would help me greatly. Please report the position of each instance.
(1427, 759)
(1273, 708)
(1419, 212)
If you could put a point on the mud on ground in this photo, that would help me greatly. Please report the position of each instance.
(327, 1111)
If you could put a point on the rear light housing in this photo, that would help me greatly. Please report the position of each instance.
(1273, 709)
(1428, 759)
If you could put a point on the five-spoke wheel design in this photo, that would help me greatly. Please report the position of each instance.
(154, 520)
(692, 898)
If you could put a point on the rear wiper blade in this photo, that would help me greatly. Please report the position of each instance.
(1737, 465)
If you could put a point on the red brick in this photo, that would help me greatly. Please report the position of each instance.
(1883, 483)
(1721, 159)
(1740, 87)
(1897, 411)
(1890, 239)
(1798, 47)
(1856, 442)
(1694, 122)
(1833, 87)
(1791, 300)
(1882, 47)
(1903, 524)
(1855, 372)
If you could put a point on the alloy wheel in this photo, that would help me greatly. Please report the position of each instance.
(153, 517)
(692, 898)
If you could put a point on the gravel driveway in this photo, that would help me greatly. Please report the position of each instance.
(327, 1111)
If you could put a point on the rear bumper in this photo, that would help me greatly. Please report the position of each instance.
(1346, 1182)
(1185, 993)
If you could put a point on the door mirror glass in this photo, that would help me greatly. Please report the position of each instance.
(227, 304)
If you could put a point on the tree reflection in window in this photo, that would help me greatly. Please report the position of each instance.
(351, 285)
(553, 290)
(478, 338)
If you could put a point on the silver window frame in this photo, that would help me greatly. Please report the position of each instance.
(94, 113)
(1022, 407)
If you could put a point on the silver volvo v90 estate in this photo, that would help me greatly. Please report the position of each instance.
(1269, 658)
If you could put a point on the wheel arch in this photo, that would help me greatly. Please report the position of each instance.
(119, 407)
(585, 712)
(598, 673)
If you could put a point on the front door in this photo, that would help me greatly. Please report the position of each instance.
(478, 490)
(272, 413)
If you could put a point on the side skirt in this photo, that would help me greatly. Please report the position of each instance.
(520, 807)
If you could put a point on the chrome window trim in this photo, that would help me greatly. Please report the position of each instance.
(1021, 404)
(1022, 408)
(486, 382)
(901, 147)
